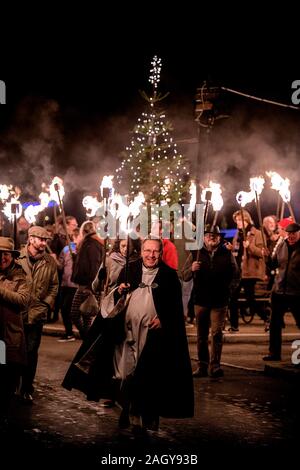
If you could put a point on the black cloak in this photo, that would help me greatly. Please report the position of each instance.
(163, 374)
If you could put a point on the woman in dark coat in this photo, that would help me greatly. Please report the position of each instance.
(14, 298)
(153, 369)
(88, 260)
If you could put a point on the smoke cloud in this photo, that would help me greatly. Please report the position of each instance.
(45, 139)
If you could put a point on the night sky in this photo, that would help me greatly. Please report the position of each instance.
(73, 82)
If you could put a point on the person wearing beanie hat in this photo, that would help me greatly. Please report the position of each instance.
(286, 288)
(14, 298)
(41, 270)
(283, 223)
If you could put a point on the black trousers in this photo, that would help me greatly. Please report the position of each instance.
(33, 336)
(66, 299)
(280, 305)
(9, 381)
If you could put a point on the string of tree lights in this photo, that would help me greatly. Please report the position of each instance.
(151, 162)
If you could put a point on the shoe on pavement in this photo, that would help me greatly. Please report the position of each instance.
(232, 329)
(200, 373)
(66, 339)
(217, 373)
(272, 357)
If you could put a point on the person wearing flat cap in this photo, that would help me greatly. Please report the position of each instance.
(14, 298)
(41, 270)
(286, 288)
(215, 273)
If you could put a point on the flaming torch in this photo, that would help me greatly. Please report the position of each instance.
(244, 198)
(282, 185)
(5, 193)
(257, 185)
(206, 197)
(91, 205)
(13, 210)
(216, 200)
(119, 210)
(57, 186)
(32, 210)
(14, 207)
(193, 193)
(107, 191)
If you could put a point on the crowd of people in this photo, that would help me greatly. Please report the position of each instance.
(129, 305)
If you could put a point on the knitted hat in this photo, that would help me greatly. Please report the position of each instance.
(283, 223)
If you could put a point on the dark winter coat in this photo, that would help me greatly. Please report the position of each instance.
(88, 260)
(14, 298)
(287, 262)
(163, 370)
(218, 274)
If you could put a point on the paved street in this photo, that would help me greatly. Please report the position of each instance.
(245, 410)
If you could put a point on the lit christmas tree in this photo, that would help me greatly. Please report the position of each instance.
(151, 162)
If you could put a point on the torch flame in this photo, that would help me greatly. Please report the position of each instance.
(45, 199)
(107, 183)
(257, 184)
(216, 196)
(7, 209)
(91, 204)
(193, 193)
(244, 197)
(53, 193)
(5, 192)
(134, 207)
(31, 212)
(282, 185)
